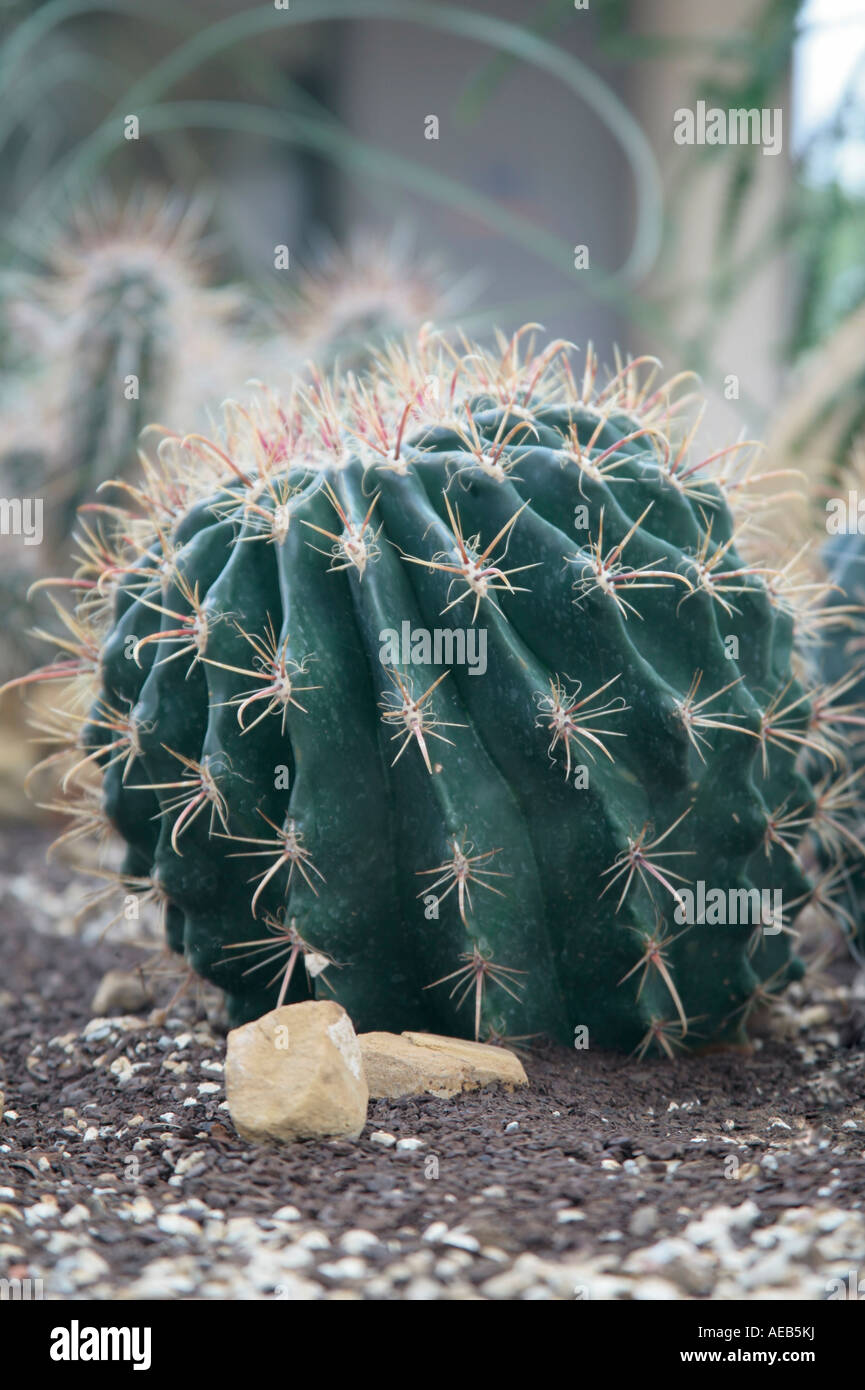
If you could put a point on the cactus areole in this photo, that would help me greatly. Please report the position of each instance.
(444, 691)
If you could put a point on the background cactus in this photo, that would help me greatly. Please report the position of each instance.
(349, 301)
(115, 329)
(319, 806)
(122, 325)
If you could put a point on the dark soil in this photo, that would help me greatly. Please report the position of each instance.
(801, 1100)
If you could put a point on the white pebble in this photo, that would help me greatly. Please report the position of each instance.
(461, 1240)
(286, 1214)
(172, 1224)
(351, 1267)
(356, 1241)
(434, 1233)
(75, 1215)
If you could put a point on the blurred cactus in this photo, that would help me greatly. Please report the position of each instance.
(124, 326)
(348, 302)
(116, 329)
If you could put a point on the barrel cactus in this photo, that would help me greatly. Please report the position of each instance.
(842, 668)
(445, 690)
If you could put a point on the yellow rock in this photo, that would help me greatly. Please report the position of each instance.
(296, 1073)
(409, 1064)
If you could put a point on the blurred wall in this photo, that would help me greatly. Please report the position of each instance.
(746, 338)
(536, 148)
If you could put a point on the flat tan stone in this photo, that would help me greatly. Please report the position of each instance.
(296, 1073)
(120, 992)
(411, 1064)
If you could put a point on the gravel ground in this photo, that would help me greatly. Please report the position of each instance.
(121, 1177)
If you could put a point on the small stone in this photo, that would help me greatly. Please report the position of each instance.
(191, 1165)
(61, 1242)
(45, 1210)
(351, 1267)
(508, 1285)
(409, 1064)
(746, 1172)
(409, 1145)
(75, 1215)
(676, 1260)
(461, 1240)
(139, 1211)
(381, 1136)
(287, 1214)
(423, 1290)
(512, 1127)
(643, 1222)
(568, 1215)
(172, 1224)
(80, 1268)
(356, 1242)
(296, 1073)
(314, 1240)
(120, 992)
(434, 1233)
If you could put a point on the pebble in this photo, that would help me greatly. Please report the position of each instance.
(356, 1241)
(422, 1290)
(77, 1270)
(568, 1215)
(288, 1213)
(381, 1136)
(351, 1267)
(46, 1210)
(171, 1224)
(643, 1222)
(75, 1215)
(461, 1240)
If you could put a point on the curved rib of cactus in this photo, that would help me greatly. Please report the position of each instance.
(841, 787)
(324, 799)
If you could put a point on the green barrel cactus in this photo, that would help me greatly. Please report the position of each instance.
(445, 691)
(841, 654)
